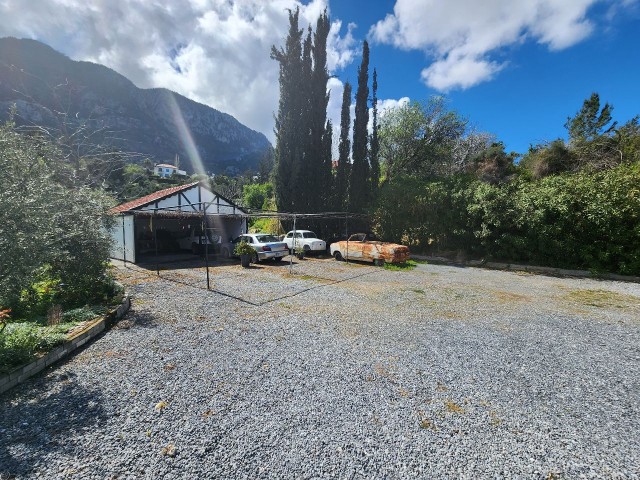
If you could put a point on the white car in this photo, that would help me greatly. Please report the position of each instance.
(266, 246)
(305, 239)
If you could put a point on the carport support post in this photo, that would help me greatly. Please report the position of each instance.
(155, 240)
(124, 242)
(346, 228)
(293, 245)
(206, 243)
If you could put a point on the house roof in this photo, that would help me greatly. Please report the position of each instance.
(151, 198)
(166, 165)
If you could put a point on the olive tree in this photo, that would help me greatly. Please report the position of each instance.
(52, 226)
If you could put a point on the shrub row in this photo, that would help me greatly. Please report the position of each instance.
(586, 220)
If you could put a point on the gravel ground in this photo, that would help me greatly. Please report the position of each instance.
(342, 371)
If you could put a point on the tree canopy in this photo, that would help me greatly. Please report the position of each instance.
(53, 226)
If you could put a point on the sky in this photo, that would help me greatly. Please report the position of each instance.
(515, 69)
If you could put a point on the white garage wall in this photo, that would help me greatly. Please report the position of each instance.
(195, 195)
(123, 246)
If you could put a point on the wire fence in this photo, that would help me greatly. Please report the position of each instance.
(173, 271)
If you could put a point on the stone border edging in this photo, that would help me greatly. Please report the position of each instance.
(531, 268)
(93, 328)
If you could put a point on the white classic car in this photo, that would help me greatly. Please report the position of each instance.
(304, 239)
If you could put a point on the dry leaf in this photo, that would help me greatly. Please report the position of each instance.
(169, 450)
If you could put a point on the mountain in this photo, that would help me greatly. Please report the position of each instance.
(53, 91)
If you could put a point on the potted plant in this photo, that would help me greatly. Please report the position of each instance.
(299, 252)
(244, 251)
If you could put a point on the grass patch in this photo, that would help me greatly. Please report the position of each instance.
(509, 297)
(408, 265)
(600, 298)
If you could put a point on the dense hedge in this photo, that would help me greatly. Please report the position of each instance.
(585, 220)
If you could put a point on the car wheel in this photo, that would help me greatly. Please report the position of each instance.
(337, 256)
(226, 254)
(254, 258)
(306, 248)
(378, 262)
(277, 259)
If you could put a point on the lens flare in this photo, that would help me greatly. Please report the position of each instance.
(185, 135)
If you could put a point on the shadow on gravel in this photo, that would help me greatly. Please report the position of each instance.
(38, 418)
(136, 319)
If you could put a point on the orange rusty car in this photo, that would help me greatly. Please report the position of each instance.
(364, 247)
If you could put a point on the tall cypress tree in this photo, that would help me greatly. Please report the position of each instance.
(303, 163)
(316, 163)
(374, 143)
(359, 179)
(326, 178)
(302, 197)
(288, 153)
(341, 183)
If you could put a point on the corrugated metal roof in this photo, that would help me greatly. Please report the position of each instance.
(151, 198)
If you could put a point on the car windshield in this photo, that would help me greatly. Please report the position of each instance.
(266, 238)
(309, 235)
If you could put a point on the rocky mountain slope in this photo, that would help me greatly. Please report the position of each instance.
(51, 90)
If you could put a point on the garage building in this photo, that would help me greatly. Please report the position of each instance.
(171, 221)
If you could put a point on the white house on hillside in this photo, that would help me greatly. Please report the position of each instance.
(166, 170)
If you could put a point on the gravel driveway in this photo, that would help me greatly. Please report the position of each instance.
(342, 371)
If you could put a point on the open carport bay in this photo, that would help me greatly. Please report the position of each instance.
(343, 370)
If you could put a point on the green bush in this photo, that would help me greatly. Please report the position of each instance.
(243, 248)
(427, 216)
(55, 241)
(81, 314)
(586, 220)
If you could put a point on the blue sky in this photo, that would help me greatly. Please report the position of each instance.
(530, 98)
(516, 69)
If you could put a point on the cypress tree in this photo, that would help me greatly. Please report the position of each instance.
(326, 178)
(288, 151)
(359, 180)
(374, 142)
(317, 163)
(303, 163)
(341, 183)
(304, 183)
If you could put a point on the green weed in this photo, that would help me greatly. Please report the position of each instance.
(408, 265)
(20, 342)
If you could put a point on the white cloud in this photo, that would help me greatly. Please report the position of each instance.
(334, 110)
(464, 36)
(340, 50)
(390, 103)
(216, 52)
(461, 71)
